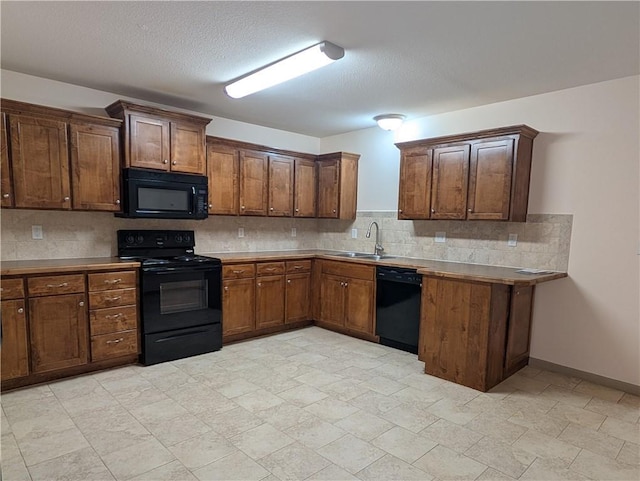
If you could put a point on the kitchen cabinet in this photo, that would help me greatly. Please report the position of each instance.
(305, 188)
(337, 185)
(161, 139)
(14, 350)
(347, 296)
(270, 294)
(6, 187)
(60, 159)
(281, 177)
(57, 322)
(113, 314)
(238, 299)
(477, 176)
(254, 183)
(223, 171)
(298, 291)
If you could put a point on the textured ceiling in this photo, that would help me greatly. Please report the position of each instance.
(415, 58)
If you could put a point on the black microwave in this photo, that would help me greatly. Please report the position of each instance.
(163, 195)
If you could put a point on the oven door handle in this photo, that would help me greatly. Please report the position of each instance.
(172, 270)
(185, 334)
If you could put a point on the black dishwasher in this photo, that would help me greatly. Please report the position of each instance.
(398, 307)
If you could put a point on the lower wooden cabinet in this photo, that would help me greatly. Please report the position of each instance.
(269, 301)
(14, 349)
(297, 299)
(347, 296)
(238, 299)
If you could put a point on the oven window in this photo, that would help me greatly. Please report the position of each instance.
(163, 199)
(183, 296)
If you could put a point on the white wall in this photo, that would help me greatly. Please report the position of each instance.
(585, 163)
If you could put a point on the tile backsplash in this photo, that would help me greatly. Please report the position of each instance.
(543, 241)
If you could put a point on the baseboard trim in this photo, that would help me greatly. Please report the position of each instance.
(587, 376)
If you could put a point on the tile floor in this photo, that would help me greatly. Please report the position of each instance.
(315, 405)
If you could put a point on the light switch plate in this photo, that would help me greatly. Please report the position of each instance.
(36, 232)
(354, 233)
(294, 232)
(513, 240)
(441, 236)
(240, 231)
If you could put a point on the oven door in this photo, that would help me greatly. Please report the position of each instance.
(180, 297)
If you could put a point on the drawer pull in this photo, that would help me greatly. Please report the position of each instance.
(238, 272)
(113, 281)
(269, 269)
(116, 341)
(52, 286)
(113, 299)
(113, 316)
(298, 267)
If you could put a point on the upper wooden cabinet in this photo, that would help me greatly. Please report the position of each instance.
(254, 175)
(305, 186)
(280, 186)
(337, 185)
(5, 171)
(60, 159)
(223, 170)
(477, 176)
(161, 139)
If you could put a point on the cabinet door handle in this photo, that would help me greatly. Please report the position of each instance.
(469, 210)
(66, 199)
(242, 207)
(165, 161)
(81, 303)
(334, 211)
(271, 209)
(346, 284)
(259, 284)
(118, 201)
(6, 196)
(297, 210)
(174, 162)
(400, 210)
(288, 281)
(20, 310)
(114, 281)
(433, 211)
(210, 206)
(51, 286)
(226, 288)
(342, 284)
(116, 341)
(114, 316)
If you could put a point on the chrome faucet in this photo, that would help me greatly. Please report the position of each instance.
(378, 249)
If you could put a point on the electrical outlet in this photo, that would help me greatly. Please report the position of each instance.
(513, 240)
(354, 233)
(36, 232)
(441, 236)
(240, 231)
(294, 232)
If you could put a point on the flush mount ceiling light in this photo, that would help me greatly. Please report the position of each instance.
(289, 67)
(389, 121)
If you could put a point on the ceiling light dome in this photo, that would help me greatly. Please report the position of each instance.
(389, 121)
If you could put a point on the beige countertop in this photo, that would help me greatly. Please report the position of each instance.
(455, 270)
(54, 266)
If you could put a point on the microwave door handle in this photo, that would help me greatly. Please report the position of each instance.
(193, 190)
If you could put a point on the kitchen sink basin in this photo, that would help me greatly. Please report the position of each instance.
(364, 255)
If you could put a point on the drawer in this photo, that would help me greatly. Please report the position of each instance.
(54, 285)
(114, 298)
(112, 280)
(349, 269)
(104, 321)
(238, 271)
(109, 346)
(299, 266)
(12, 289)
(269, 268)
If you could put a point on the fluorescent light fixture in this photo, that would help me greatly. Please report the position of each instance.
(389, 121)
(289, 67)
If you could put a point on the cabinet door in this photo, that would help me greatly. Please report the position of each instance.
(305, 185)
(40, 162)
(332, 293)
(519, 329)
(414, 199)
(187, 148)
(253, 182)
(6, 189)
(238, 301)
(15, 353)
(95, 167)
(450, 182)
(359, 305)
(298, 303)
(222, 165)
(269, 301)
(58, 330)
(328, 188)
(149, 142)
(280, 186)
(490, 178)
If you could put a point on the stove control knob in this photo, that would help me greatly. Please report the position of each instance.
(139, 239)
(178, 238)
(130, 239)
(187, 238)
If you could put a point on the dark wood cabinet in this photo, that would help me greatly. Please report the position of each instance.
(281, 177)
(223, 173)
(14, 350)
(477, 176)
(238, 299)
(254, 183)
(6, 187)
(337, 185)
(161, 139)
(347, 297)
(298, 288)
(305, 186)
(60, 159)
(519, 329)
(270, 293)
(95, 167)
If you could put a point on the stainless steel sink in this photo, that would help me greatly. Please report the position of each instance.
(364, 255)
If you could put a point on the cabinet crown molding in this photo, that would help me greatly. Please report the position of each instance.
(522, 130)
(16, 107)
(119, 108)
